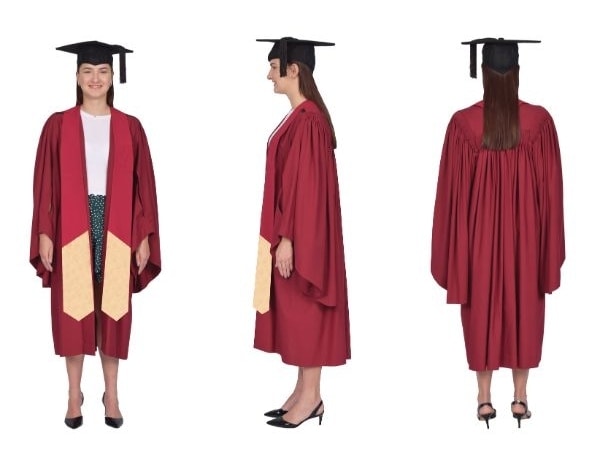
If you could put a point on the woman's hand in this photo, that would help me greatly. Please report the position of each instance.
(284, 257)
(46, 251)
(142, 254)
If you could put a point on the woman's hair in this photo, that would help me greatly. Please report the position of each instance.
(308, 88)
(501, 128)
(110, 95)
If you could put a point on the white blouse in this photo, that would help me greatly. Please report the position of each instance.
(96, 135)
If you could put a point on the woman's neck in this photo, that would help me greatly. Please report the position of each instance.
(95, 107)
(296, 99)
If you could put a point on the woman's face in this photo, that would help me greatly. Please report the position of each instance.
(281, 85)
(94, 80)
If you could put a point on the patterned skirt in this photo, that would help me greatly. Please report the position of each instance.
(96, 204)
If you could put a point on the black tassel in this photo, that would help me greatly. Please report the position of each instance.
(283, 58)
(122, 68)
(473, 60)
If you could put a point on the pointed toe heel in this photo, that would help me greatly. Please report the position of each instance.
(520, 415)
(275, 413)
(486, 416)
(280, 422)
(75, 422)
(113, 422)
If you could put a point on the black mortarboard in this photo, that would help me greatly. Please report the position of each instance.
(292, 49)
(499, 54)
(94, 52)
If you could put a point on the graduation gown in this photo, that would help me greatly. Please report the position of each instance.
(308, 321)
(498, 235)
(60, 210)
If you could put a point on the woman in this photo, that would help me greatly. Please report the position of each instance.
(498, 235)
(301, 293)
(94, 237)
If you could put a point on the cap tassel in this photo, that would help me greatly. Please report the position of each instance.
(473, 48)
(122, 68)
(283, 59)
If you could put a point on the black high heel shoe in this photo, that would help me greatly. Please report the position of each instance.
(111, 421)
(520, 415)
(75, 422)
(276, 413)
(486, 416)
(281, 423)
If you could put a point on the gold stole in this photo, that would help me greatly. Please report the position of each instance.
(77, 273)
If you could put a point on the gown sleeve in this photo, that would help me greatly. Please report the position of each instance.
(44, 218)
(551, 208)
(302, 211)
(450, 234)
(145, 208)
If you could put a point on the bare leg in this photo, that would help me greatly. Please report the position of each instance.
(484, 383)
(520, 382)
(110, 368)
(74, 372)
(110, 365)
(308, 395)
(289, 403)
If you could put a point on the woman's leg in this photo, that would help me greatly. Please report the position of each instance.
(110, 365)
(289, 403)
(520, 382)
(74, 372)
(110, 368)
(484, 384)
(308, 395)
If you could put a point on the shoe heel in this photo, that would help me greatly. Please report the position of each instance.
(111, 421)
(280, 422)
(520, 416)
(486, 416)
(75, 422)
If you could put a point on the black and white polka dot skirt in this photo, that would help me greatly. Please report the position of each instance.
(96, 204)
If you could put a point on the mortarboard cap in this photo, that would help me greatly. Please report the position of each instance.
(94, 52)
(292, 49)
(499, 54)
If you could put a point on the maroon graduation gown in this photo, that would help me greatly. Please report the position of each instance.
(71, 336)
(498, 235)
(308, 320)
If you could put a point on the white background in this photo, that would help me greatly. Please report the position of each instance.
(197, 81)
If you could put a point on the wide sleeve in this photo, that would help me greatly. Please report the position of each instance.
(44, 219)
(450, 233)
(145, 207)
(302, 213)
(551, 208)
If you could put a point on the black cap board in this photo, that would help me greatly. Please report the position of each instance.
(499, 54)
(95, 52)
(290, 49)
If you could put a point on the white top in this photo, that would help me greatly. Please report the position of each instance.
(96, 135)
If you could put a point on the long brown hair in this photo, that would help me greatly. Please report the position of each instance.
(308, 88)
(110, 95)
(501, 128)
